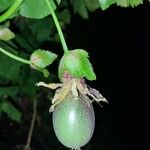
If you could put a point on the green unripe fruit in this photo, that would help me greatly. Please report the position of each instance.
(74, 121)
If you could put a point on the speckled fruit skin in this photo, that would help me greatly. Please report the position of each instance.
(74, 121)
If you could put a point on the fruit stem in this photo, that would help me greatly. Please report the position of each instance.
(11, 10)
(63, 42)
(15, 57)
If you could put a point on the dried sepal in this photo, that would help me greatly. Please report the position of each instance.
(50, 85)
(97, 96)
(72, 86)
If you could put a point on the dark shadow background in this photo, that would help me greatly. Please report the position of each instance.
(118, 43)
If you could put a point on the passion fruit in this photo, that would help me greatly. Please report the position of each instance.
(74, 121)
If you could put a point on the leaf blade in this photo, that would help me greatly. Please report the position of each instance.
(4, 4)
(6, 34)
(10, 110)
(9, 91)
(42, 58)
(77, 63)
(106, 3)
(9, 69)
(127, 3)
(30, 9)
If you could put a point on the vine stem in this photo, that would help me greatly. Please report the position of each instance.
(15, 57)
(64, 45)
(27, 146)
(11, 10)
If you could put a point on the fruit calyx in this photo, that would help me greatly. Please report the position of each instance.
(72, 86)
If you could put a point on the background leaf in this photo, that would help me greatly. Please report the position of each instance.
(83, 6)
(41, 29)
(106, 3)
(4, 4)
(11, 111)
(127, 3)
(80, 8)
(42, 58)
(9, 68)
(9, 91)
(6, 34)
(92, 5)
(64, 16)
(36, 8)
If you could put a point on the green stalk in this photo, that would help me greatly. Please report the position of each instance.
(15, 57)
(63, 42)
(11, 10)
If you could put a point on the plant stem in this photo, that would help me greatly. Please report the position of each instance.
(64, 45)
(11, 10)
(15, 57)
(27, 146)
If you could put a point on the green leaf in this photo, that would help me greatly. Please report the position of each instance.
(80, 8)
(36, 8)
(22, 42)
(64, 16)
(4, 4)
(43, 70)
(83, 6)
(92, 5)
(41, 29)
(6, 34)
(127, 3)
(9, 68)
(11, 111)
(42, 58)
(9, 91)
(76, 63)
(106, 3)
